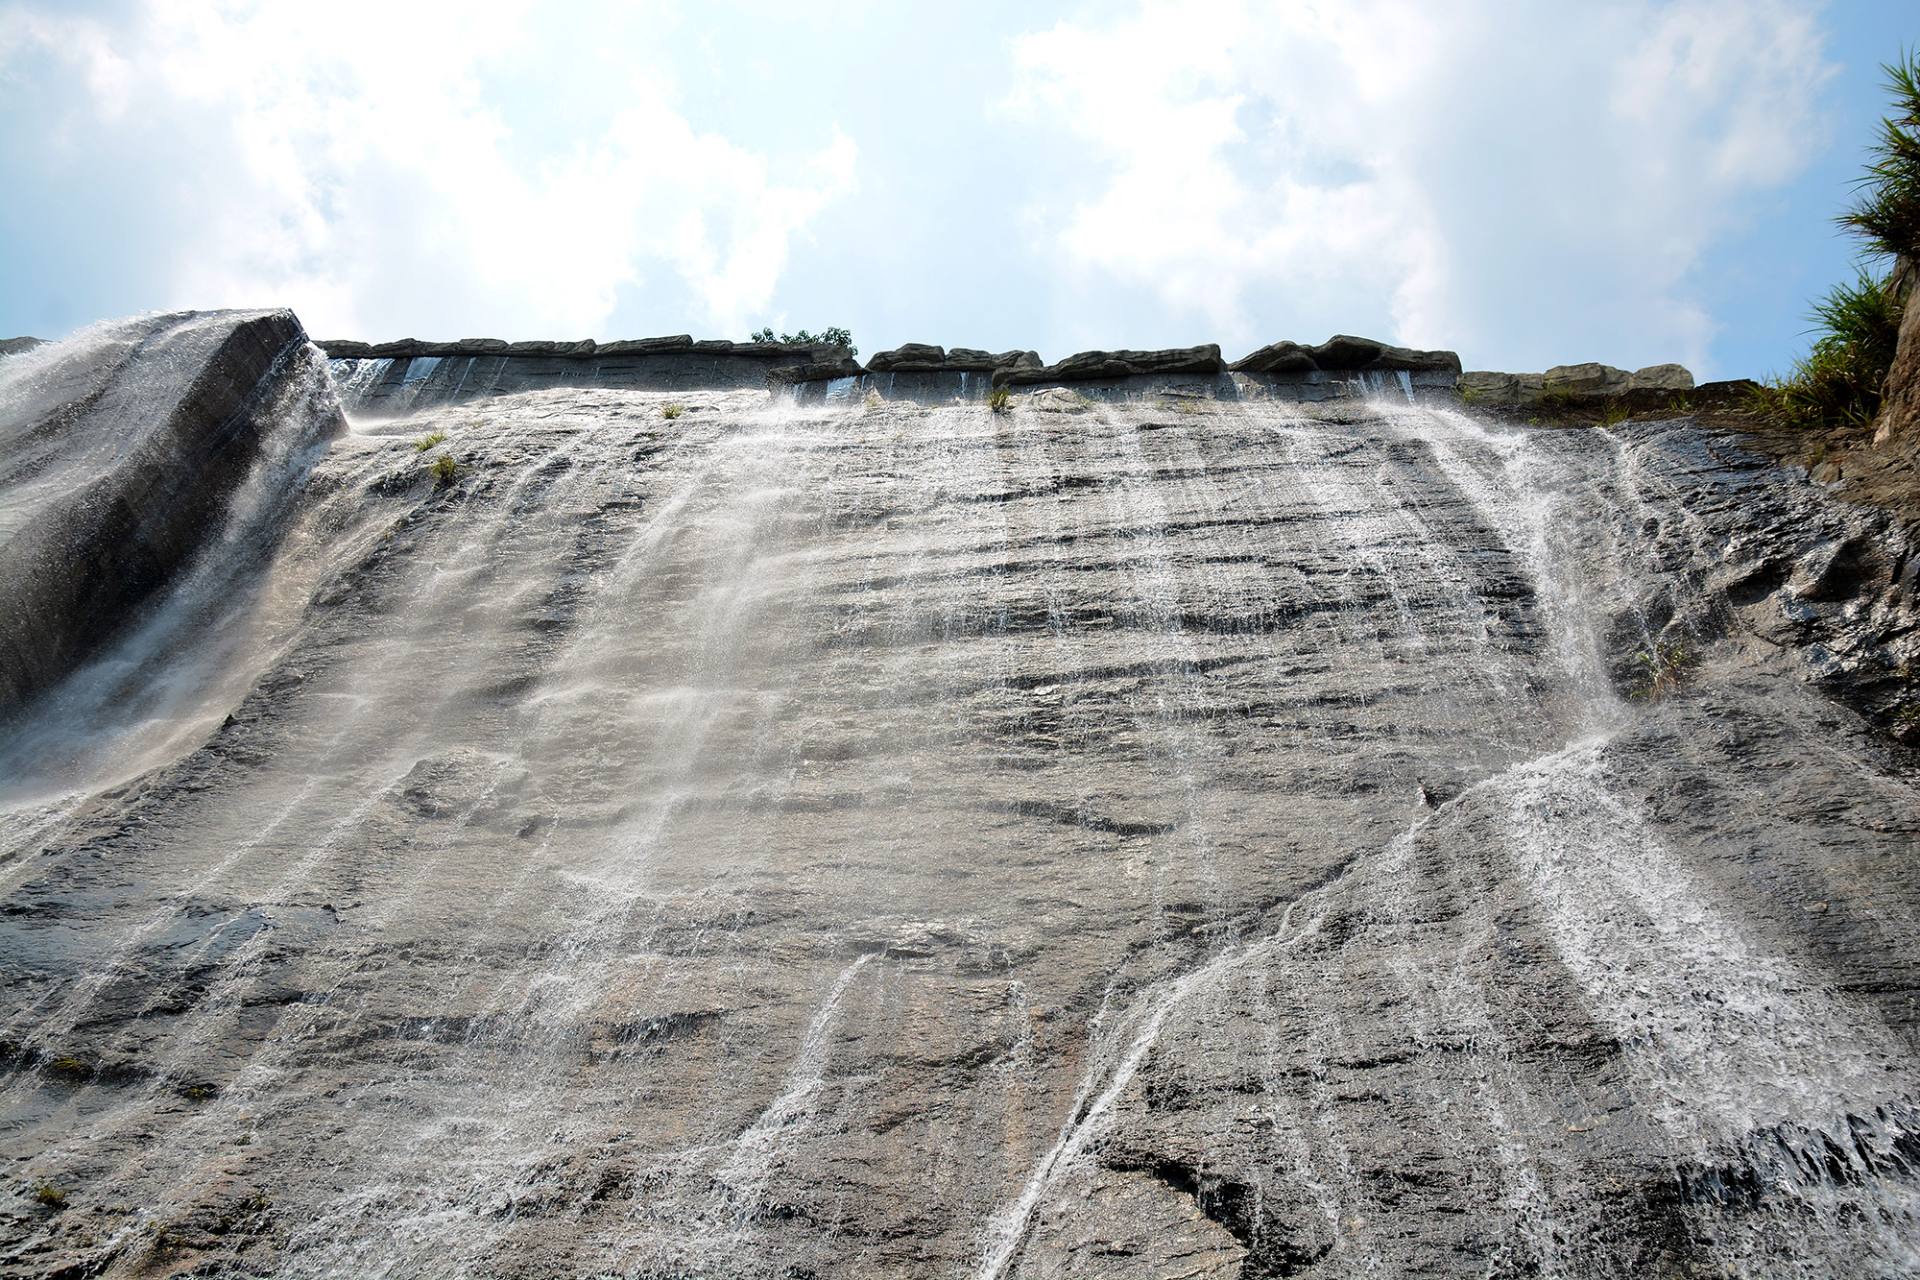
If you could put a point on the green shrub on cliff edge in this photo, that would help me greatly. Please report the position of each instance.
(1839, 382)
(833, 337)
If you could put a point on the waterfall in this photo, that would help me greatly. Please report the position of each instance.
(840, 838)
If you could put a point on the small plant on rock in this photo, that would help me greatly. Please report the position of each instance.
(71, 1069)
(427, 442)
(47, 1194)
(672, 411)
(1000, 400)
(444, 470)
(1662, 669)
(1613, 415)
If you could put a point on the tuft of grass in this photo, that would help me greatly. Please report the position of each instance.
(672, 411)
(427, 442)
(444, 470)
(1613, 415)
(71, 1069)
(47, 1194)
(1839, 382)
(197, 1092)
(1467, 395)
(1662, 670)
(1000, 400)
(1887, 213)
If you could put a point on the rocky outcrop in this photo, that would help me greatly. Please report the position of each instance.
(1569, 384)
(1107, 366)
(921, 357)
(14, 346)
(120, 453)
(406, 376)
(1343, 353)
(1899, 419)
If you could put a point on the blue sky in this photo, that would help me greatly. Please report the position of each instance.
(1528, 183)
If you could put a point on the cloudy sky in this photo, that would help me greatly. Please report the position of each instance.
(1526, 182)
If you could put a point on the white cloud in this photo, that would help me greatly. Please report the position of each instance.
(1452, 170)
(356, 161)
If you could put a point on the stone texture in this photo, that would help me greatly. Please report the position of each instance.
(1278, 357)
(123, 456)
(1899, 418)
(1232, 839)
(1661, 377)
(1101, 366)
(15, 346)
(1587, 380)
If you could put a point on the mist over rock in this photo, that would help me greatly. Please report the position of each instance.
(121, 451)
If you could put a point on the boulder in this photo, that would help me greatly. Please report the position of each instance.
(1343, 353)
(1277, 357)
(910, 357)
(120, 454)
(1588, 379)
(342, 348)
(1484, 386)
(1099, 366)
(1661, 377)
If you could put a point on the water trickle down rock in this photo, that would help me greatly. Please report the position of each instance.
(120, 452)
(848, 840)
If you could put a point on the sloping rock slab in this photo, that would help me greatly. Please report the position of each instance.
(119, 452)
(1102, 366)
(14, 346)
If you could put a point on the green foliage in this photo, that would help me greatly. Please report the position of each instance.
(197, 1092)
(1839, 382)
(1467, 395)
(444, 470)
(71, 1068)
(1613, 415)
(46, 1193)
(1000, 400)
(1887, 213)
(672, 411)
(427, 442)
(1662, 669)
(832, 337)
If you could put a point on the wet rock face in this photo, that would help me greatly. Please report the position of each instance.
(1229, 838)
(120, 455)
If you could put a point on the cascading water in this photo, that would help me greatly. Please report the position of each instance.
(850, 838)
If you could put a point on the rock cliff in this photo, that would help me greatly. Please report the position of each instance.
(121, 453)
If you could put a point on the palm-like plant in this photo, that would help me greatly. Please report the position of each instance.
(1887, 213)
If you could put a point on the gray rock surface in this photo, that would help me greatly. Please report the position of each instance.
(1189, 839)
(1100, 366)
(122, 455)
(14, 346)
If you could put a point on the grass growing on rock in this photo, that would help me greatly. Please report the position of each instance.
(48, 1195)
(1000, 400)
(1662, 670)
(444, 470)
(1856, 326)
(672, 411)
(428, 441)
(71, 1069)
